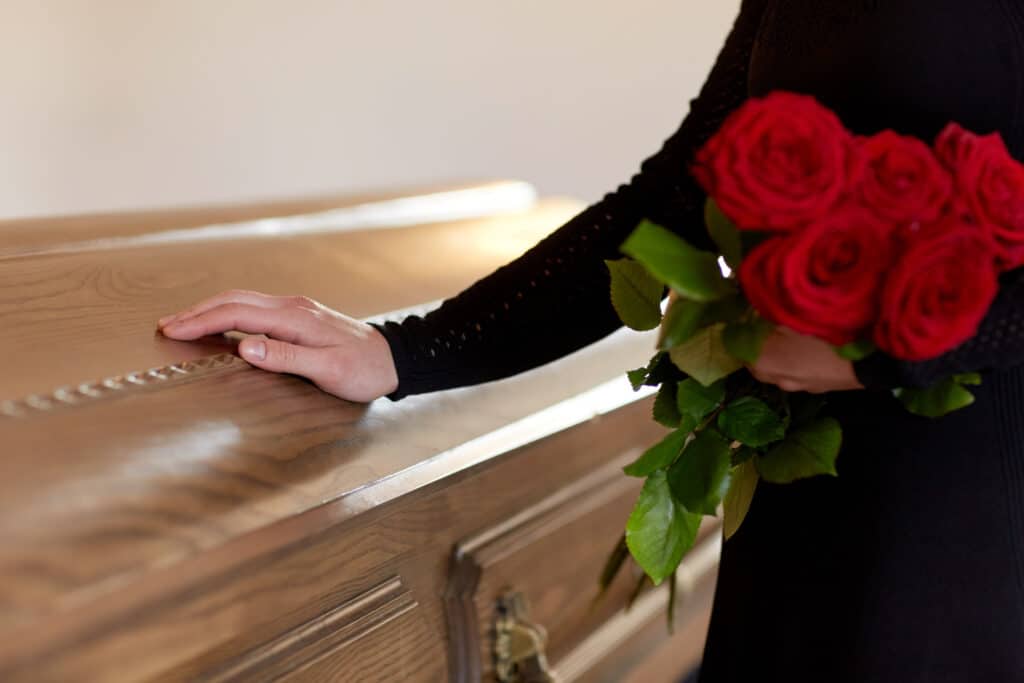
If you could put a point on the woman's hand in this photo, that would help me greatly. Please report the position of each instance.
(796, 362)
(341, 355)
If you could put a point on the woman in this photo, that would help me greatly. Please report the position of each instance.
(910, 565)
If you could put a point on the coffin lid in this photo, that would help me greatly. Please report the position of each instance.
(126, 454)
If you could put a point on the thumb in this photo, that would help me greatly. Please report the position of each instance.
(279, 356)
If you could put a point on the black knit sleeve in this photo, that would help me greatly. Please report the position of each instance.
(998, 344)
(555, 298)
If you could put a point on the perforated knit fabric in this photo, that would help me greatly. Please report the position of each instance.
(908, 566)
(554, 299)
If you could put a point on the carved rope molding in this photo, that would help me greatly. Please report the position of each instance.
(119, 385)
(143, 380)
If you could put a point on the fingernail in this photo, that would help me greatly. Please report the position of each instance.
(166, 319)
(256, 350)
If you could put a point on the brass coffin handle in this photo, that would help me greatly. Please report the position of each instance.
(519, 644)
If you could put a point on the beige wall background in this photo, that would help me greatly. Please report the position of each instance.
(116, 104)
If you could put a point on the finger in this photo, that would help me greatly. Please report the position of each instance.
(294, 325)
(279, 356)
(237, 296)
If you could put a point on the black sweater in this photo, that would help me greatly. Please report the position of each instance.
(910, 565)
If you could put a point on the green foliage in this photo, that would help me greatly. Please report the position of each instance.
(724, 234)
(742, 454)
(665, 411)
(806, 451)
(616, 559)
(737, 500)
(704, 356)
(637, 378)
(700, 477)
(940, 399)
(745, 339)
(659, 529)
(691, 272)
(751, 422)
(804, 408)
(658, 456)
(729, 309)
(683, 318)
(856, 350)
(697, 401)
(650, 375)
(636, 296)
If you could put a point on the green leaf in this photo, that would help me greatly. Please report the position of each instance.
(742, 454)
(724, 233)
(638, 589)
(969, 378)
(662, 370)
(649, 374)
(637, 378)
(938, 400)
(695, 400)
(807, 451)
(658, 456)
(616, 558)
(738, 497)
(665, 411)
(691, 272)
(659, 530)
(704, 356)
(671, 616)
(682, 320)
(804, 407)
(636, 295)
(729, 309)
(752, 422)
(745, 339)
(857, 350)
(700, 477)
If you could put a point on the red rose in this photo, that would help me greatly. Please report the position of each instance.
(778, 163)
(824, 280)
(991, 183)
(937, 293)
(903, 181)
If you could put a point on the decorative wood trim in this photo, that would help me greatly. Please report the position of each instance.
(135, 382)
(320, 637)
(120, 385)
(697, 566)
(475, 554)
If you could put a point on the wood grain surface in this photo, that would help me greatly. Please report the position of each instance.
(169, 513)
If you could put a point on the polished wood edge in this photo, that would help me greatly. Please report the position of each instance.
(464, 665)
(563, 507)
(475, 554)
(310, 642)
(422, 209)
(119, 386)
(698, 566)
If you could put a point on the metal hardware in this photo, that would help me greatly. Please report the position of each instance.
(519, 644)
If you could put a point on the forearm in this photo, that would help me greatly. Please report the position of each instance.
(555, 298)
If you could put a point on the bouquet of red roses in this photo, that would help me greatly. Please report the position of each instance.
(873, 244)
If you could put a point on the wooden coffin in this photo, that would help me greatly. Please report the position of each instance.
(169, 513)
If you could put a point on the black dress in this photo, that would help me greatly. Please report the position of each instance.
(909, 566)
